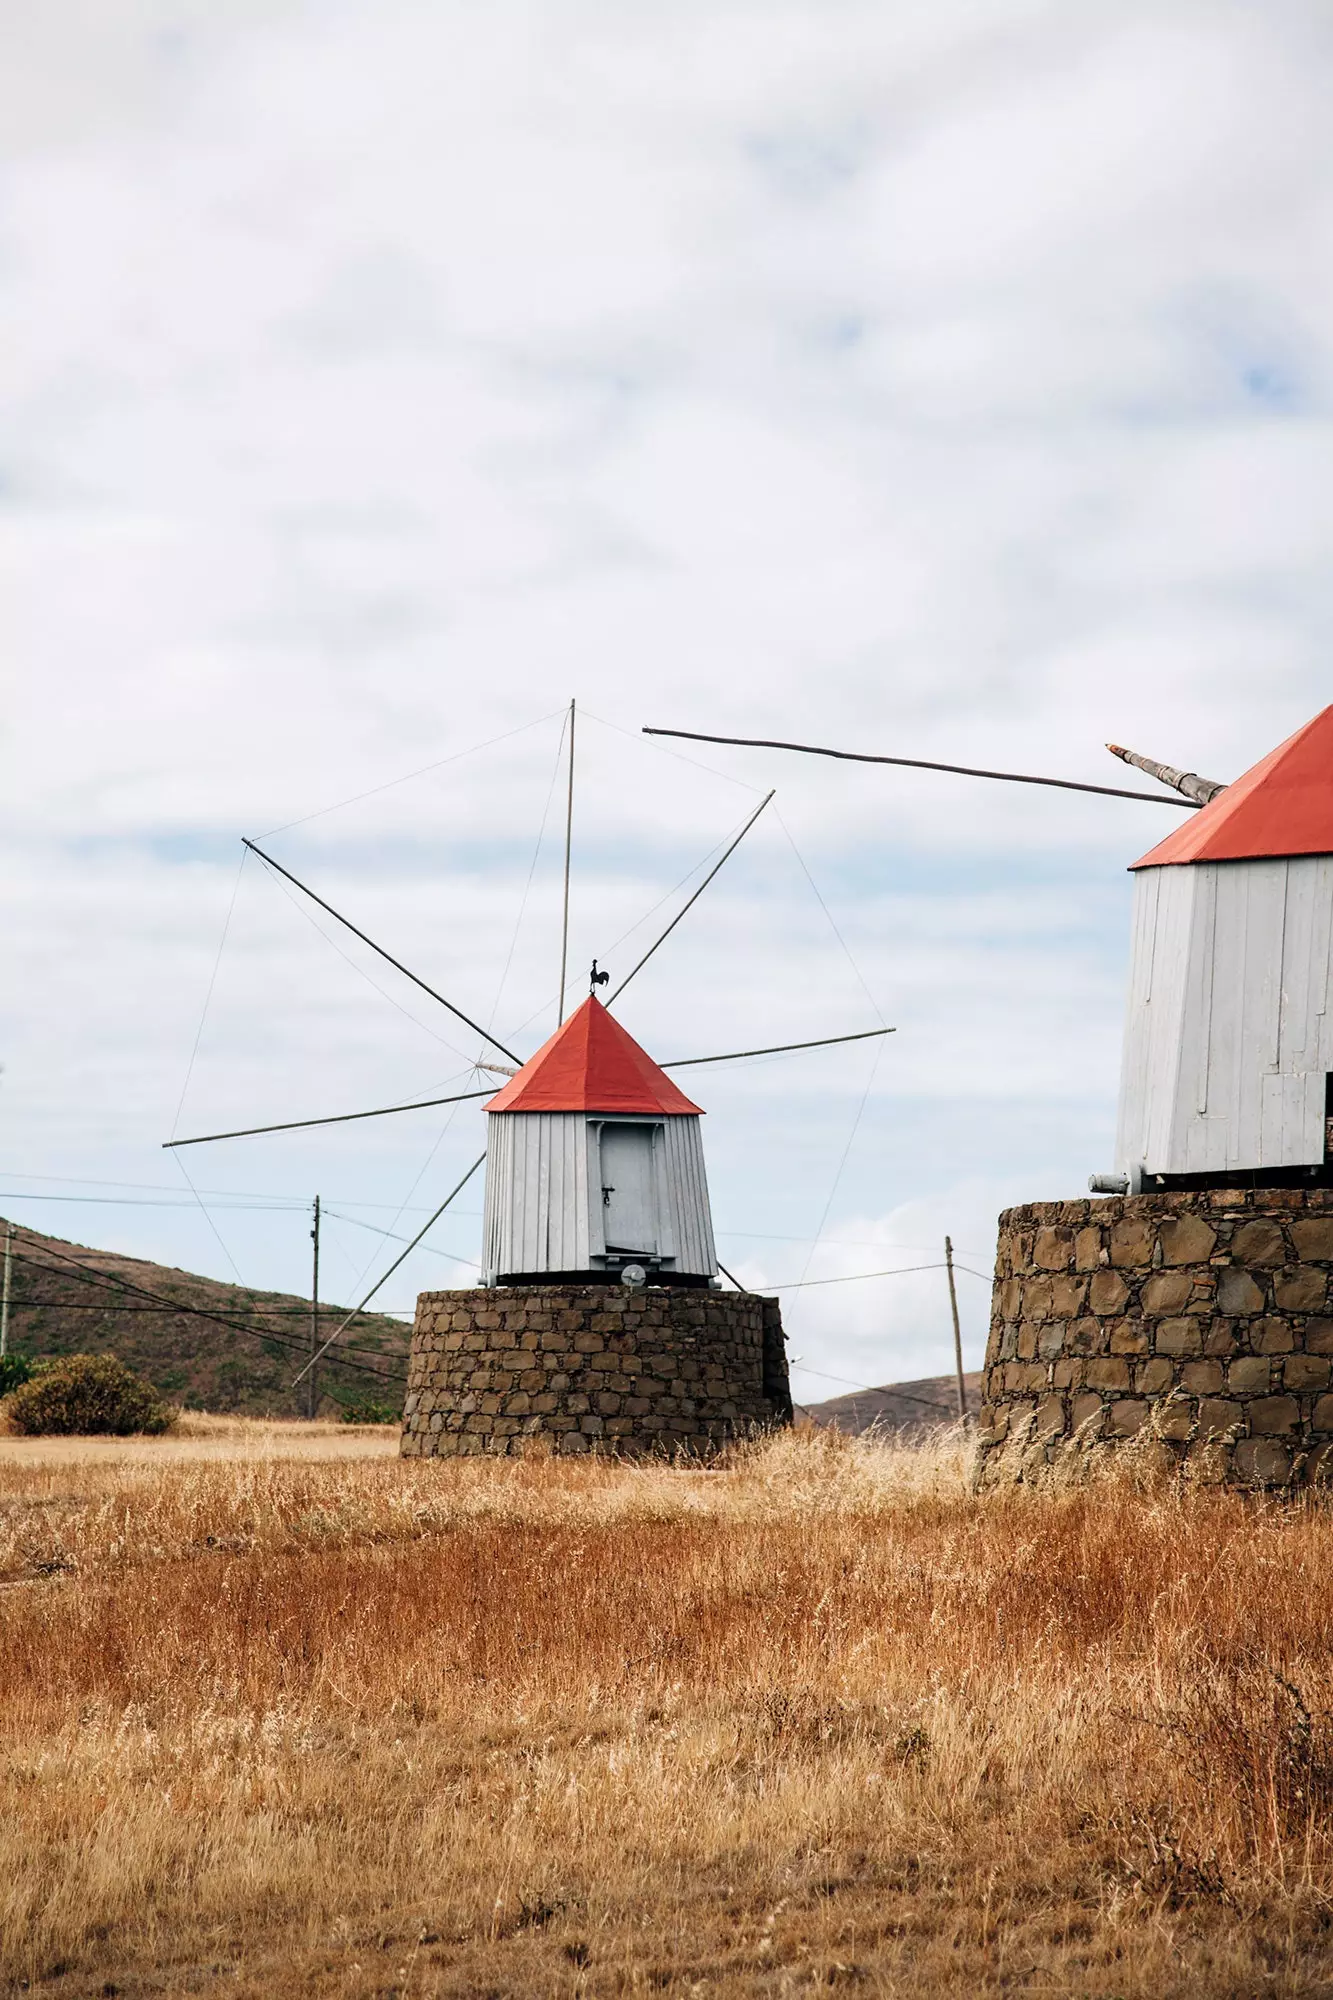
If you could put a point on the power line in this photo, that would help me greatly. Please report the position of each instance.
(883, 1389)
(852, 1277)
(109, 1279)
(394, 1266)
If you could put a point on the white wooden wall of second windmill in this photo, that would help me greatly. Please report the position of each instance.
(536, 1210)
(1228, 1040)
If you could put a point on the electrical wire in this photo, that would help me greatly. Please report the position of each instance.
(882, 1389)
(854, 1277)
(159, 1299)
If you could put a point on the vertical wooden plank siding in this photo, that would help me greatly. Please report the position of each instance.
(1227, 1033)
(1159, 960)
(687, 1192)
(543, 1206)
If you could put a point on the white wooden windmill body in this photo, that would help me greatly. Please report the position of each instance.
(594, 1163)
(1228, 1046)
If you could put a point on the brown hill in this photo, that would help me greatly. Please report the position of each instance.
(210, 1345)
(898, 1406)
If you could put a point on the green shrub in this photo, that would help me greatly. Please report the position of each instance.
(371, 1413)
(86, 1394)
(14, 1371)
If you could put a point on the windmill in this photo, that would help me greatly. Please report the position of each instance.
(594, 1165)
(1193, 1303)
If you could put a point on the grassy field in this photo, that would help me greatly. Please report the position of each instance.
(305, 1719)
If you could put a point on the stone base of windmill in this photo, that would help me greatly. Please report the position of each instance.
(1194, 1328)
(592, 1368)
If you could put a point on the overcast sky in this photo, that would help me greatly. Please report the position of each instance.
(949, 380)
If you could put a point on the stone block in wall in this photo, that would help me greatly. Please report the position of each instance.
(1259, 1242)
(1107, 1293)
(1263, 1461)
(1312, 1239)
(1053, 1249)
(1239, 1292)
(1274, 1416)
(1303, 1289)
(1186, 1239)
(1167, 1291)
(1132, 1244)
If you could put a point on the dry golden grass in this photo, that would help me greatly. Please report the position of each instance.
(196, 1436)
(820, 1719)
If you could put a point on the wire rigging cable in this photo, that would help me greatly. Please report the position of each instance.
(532, 870)
(424, 770)
(208, 996)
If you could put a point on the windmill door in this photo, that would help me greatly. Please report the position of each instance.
(629, 1189)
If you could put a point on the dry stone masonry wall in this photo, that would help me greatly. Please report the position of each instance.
(592, 1368)
(1200, 1324)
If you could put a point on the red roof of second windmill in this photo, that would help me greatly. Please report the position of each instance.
(1284, 805)
(592, 1064)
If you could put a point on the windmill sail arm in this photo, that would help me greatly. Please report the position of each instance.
(1200, 791)
(922, 764)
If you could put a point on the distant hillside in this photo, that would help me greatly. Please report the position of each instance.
(898, 1406)
(69, 1299)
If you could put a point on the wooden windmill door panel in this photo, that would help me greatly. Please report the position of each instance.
(629, 1189)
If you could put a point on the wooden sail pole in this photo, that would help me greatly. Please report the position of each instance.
(396, 963)
(923, 764)
(569, 841)
(691, 901)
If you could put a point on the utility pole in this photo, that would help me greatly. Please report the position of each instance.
(957, 1330)
(311, 1394)
(4, 1300)
(569, 841)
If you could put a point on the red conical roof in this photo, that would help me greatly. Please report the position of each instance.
(1283, 806)
(591, 1064)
